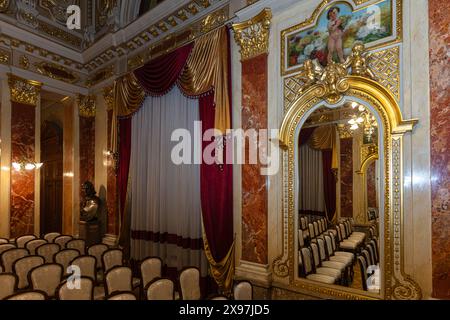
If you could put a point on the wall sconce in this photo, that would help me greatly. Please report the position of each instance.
(18, 166)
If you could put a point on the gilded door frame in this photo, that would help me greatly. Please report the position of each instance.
(397, 284)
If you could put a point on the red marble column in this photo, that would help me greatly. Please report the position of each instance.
(439, 14)
(254, 186)
(111, 197)
(346, 167)
(87, 150)
(23, 126)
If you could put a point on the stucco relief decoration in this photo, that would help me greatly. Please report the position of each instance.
(24, 91)
(86, 106)
(58, 9)
(27, 12)
(4, 4)
(331, 78)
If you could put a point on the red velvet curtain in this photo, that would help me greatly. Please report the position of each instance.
(216, 183)
(158, 76)
(124, 161)
(329, 184)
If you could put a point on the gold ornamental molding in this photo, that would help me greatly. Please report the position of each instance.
(100, 76)
(4, 4)
(108, 95)
(360, 85)
(369, 153)
(253, 35)
(86, 106)
(55, 71)
(23, 90)
(5, 57)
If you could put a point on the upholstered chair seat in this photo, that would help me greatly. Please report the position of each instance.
(64, 257)
(8, 282)
(190, 284)
(326, 275)
(22, 241)
(218, 297)
(50, 237)
(6, 246)
(10, 256)
(160, 289)
(122, 296)
(321, 278)
(62, 240)
(48, 251)
(46, 278)
(118, 278)
(87, 266)
(112, 258)
(243, 291)
(32, 245)
(23, 266)
(31, 295)
(97, 251)
(77, 244)
(83, 292)
(150, 270)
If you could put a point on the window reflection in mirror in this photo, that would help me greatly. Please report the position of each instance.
(338, 192)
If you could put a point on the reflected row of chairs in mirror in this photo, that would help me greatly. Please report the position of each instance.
(328, 253)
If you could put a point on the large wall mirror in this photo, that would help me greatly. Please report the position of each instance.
(342, 219)
(338, 190)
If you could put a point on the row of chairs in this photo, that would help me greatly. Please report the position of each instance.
(30, 269)
(321, 260)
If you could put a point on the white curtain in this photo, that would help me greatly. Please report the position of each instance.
(165, 201)
(311, 194)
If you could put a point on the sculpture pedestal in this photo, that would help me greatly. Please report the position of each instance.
(90, 232)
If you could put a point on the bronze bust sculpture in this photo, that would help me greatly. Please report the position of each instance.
(91, 205)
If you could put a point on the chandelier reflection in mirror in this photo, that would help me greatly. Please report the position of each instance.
(365, 119)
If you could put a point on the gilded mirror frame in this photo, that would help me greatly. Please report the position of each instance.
(397, 284)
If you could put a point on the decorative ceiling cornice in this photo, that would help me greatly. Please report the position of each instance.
(35, 53)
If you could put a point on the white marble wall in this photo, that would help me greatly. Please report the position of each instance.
(415, 104)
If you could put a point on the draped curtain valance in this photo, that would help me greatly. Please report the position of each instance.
(196, 68)
(201, 70)
(323, 138)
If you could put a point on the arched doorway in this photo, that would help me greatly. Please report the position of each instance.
(51, 178)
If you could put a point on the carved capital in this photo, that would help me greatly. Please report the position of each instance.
(253, 35)
(86, 106)
(23, 90)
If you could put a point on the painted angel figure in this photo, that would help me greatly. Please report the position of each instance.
(358, 62)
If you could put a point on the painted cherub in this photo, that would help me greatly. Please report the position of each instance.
(358, 62)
